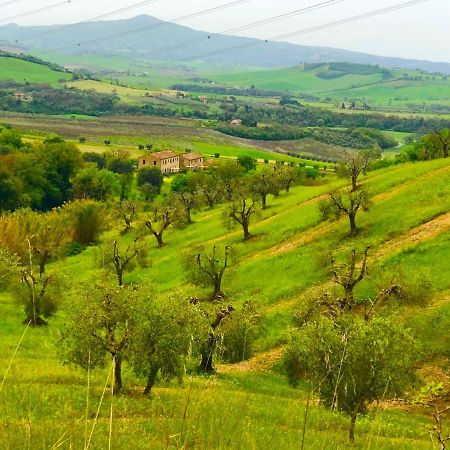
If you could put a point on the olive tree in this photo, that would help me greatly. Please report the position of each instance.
(347, 203)
(241, 208)
(355, 164)
(263, 183)
(206, 268)
(121, 258)
(165, 336)
(352, 362)
(102, 321)
(162, 216)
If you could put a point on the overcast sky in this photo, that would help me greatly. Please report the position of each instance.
(421, 31)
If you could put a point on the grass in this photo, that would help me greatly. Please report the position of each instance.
(417, 91)
(43, 400)
(27, 72)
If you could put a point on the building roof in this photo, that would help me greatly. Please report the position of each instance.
(166, 154)
(192, 156)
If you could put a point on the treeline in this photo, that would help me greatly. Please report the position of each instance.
(305, 116)
(46, 175)
(352, 138)
(41, 98)
(222, 90)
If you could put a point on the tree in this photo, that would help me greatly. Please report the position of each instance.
(287, 175)
(354, 165)
(186, 193)
(348, 276)
(241, 209)
(101, 322)
(209, 185)
(247, 162)
(95, 158)
(150, 177)
(352, 362)
(164, 337)
(263, 183)
(345, 204)
(128, 211)
(10, 189)
(87, 219)
(435, 145)
(163, 215)
(206, 268)
(208, 347)
(96, 184)
(39, 294)
(229, 173)
(121, 259)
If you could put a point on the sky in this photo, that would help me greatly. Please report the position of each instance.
(421, 31)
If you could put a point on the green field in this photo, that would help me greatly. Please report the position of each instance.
(44, 402)
(395, 92)
(27, 72)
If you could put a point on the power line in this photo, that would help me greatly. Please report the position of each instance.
(9, 2)
(269, 20)
(162, 23)
(92, 19)
(39, 10)
(319, 27)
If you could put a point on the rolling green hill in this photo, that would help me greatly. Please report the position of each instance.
(22, 71)
(378, 87)
(408, 229)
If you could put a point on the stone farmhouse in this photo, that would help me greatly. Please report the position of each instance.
(170, 162)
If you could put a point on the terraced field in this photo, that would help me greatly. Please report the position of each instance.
(43, 403)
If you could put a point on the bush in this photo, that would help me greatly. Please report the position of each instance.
(88, 221)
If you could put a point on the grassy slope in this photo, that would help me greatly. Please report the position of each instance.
(369, 87)
(282, 261)
(25, 71)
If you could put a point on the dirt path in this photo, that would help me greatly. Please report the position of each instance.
(263, 362)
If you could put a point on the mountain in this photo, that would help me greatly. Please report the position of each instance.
(189, 46)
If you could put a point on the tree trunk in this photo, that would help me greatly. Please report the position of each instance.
(188, 215)
(264, 201)
(35, 322)
(354, 183)
(207, 352)
(353, 228)
(159, 239)
(151, 380)
(246, 230)
(351, 433)
(120, 277)
(117, 374)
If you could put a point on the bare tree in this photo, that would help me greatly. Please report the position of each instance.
(128, 212)
(348, 276)
(161, 217)
(356, 164)
(207, 268)
(241, 209)
(208, 349)
(345, 204)
(122, 260)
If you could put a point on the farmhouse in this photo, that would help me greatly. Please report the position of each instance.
(236, 122)
(192, 161)
(167, 161)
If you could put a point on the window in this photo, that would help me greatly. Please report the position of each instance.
(154, 163)
(143, 162)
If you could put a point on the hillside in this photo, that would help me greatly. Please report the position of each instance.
(49, 404)
(145, 45)
(23, 71)
(376, 86)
